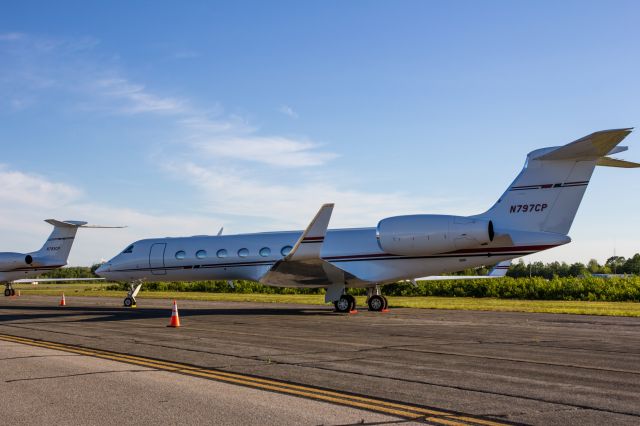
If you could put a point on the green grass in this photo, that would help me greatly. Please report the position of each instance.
(630, 309)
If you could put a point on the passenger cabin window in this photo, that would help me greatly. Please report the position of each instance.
(128, 249)
(180, 254)
(221, 253)
(201, 254)
(243, 252)
(286, 250)
(265, 251)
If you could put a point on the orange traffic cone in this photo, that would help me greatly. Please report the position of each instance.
(175, 319)
(62, 301)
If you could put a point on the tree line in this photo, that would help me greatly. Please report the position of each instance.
(520, 269)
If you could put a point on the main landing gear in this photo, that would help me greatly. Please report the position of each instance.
(9, 290)
(346, 303)
(375, 300)
(130, 300)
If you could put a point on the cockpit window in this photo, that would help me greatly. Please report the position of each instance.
(128, 249)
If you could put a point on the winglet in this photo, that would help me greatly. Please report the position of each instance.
(310, 242)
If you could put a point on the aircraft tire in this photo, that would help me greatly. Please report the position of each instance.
(7, 292)
(386, 302)
(13, 291)
(376, 303)
(352, 300)
(343, 305)
(128, 302)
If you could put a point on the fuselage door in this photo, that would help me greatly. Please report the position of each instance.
(156, 259)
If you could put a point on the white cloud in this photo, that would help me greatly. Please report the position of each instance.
(28, 199)
(272, 150)
(231, 191)
(32, 190)
(254, 181)
(287, 110)
(136, 99)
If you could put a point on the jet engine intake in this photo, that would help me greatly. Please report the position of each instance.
(420, 235)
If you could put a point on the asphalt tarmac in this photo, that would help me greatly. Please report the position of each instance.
(45, 386)
(460, 366)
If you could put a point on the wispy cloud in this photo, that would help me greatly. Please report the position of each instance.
(136, 99)
(33, 190)
(236, 171)
(287, 110)
(11, 36)
(234, 191)
(275, 151)
(29, 198)
(43, 64)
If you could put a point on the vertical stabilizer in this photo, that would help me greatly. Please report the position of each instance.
(57, 247)
(545, 196)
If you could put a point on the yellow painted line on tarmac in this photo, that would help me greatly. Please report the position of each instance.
(367, 403)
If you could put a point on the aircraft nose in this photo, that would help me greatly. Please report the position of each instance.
(103, 270)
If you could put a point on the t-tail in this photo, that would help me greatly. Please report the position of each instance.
(545, 196)
(56, 249)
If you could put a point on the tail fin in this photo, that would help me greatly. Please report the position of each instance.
(546, 194)
(55, 250)
(57, 247)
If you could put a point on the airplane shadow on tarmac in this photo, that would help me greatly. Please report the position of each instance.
(101, 314)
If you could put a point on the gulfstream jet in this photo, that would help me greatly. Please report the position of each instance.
(18, 267)
(534, 214)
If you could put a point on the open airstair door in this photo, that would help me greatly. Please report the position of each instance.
(303, 264)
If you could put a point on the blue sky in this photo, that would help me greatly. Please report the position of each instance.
(178, 118)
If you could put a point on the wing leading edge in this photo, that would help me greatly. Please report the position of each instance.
(303, 264)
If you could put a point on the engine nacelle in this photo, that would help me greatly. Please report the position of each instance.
(420, 235)
(14, 260)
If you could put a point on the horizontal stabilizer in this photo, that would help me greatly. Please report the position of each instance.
(76, 224)
(593, 146)
(614, 162)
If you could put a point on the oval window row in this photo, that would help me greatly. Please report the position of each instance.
(243, 252)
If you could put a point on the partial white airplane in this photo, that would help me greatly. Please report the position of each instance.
(534, 214)
(18, 267)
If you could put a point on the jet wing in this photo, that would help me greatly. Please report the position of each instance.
(303, 264)
(43, 280)
(498, 271)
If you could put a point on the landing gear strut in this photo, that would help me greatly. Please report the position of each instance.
(375, 300)
(9, 290)
(130, 300)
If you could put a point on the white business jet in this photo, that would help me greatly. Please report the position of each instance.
(534, 214)
(20, 267)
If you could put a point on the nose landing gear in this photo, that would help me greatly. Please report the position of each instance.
(130, 300)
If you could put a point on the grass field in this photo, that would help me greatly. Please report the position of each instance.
(631, 309)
